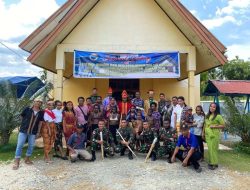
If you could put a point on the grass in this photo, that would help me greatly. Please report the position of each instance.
(7, 152)
(233, 160)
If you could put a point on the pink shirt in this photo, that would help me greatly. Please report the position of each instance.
(79, 115)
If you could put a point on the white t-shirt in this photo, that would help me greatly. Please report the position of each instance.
(58, 114)
(172, 116)
(178, 110)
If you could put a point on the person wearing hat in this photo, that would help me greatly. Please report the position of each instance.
(48, 130)
(187, 149)
(124, 106)
(76, 145)
(188, 118)
(32, 118)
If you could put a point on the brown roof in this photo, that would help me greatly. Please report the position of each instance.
(232, 86)
(61, 21)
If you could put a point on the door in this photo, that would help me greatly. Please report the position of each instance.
(130, 85)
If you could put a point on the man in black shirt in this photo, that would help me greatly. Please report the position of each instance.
(32, 118)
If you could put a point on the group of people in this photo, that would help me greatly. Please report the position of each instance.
(157, 128)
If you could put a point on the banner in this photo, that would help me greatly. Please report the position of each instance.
(126, 65)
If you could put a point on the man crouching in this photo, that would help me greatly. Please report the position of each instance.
(76, 145)
(190, 152)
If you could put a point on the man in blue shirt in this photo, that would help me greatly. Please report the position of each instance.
(187, 150)
(76, 145)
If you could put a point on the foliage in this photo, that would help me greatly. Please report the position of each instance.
(242, 147)
(11, 106)
(236, 69)
(237, 123)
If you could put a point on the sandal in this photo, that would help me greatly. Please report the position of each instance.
(15, 166)
(28, 162)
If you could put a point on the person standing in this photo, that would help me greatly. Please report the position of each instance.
(149, 101)
(95, 116)
(94, 95)
(48, 130)
(124, 106)
(162, 103)
(82, 113)
(113, 123)
(197, 129)
(69, 120)
(156, 117)
(179, 112)
(108, 98)
(137, 101)
(32, 118)
(58, 145)
(174, 105)
(213, 125)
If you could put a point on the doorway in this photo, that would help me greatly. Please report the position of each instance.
(130, 85)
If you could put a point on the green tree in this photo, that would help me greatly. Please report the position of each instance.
(236, 69)
(11, 106)
(237, 123)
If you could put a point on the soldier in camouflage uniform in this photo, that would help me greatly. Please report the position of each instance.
(107, 141)
(147, 137)
(127, 134)
(168, 137)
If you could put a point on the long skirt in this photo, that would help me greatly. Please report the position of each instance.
(212, 138)
(70, 129)
(48, 133)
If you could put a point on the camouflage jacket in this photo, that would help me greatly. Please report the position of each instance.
(127, 134)
(166, 134)
(107, 137)
(147, 136)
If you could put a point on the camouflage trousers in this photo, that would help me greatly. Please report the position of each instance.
(166, 149)
(120, 146)
(107, 148)
(145, 148)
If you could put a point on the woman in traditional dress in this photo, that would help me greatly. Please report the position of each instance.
(69, 120)
(48, 130)
(213, 125)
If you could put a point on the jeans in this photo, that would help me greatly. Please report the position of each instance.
(21, 141)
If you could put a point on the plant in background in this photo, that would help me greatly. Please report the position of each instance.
(11, 106)
(237, 123)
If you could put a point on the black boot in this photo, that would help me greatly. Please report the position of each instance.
(153, 156)
(122, 151)
(93, 156)
(130, 156)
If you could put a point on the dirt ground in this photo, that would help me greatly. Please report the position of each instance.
(118, 173)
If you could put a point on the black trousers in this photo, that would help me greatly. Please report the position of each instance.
(201, 146)
(112, 129)
(196, 156)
